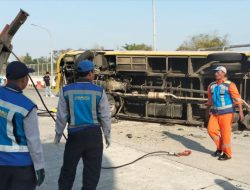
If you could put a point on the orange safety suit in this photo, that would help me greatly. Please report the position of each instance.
(220, 123)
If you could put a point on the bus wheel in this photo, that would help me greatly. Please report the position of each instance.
(113, 105)
(226, 57)
(231, 67)
(87, 55)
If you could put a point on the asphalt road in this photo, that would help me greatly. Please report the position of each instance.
(197, 171)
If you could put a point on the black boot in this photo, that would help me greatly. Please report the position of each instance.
(224, 157)
(217, 153)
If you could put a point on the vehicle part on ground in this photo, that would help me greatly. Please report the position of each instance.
(7, 34)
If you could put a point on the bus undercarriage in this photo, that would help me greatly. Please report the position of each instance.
(160, 86)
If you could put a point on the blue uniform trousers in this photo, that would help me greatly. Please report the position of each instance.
(17, 178)
(86, 145)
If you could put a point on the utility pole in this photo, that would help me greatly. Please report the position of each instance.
(154, 25)
(51, 48)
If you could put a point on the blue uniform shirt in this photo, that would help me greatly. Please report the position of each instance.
(83, 105)
(19, 135)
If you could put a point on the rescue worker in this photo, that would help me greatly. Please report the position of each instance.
(223, 96)
(21, 154)
(84, 106)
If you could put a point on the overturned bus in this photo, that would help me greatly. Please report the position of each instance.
(159, 86)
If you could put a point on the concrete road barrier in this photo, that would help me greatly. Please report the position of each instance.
(39, 80)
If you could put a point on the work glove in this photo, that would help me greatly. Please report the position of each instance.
(57, 138)
(40, 175)
(108, 142)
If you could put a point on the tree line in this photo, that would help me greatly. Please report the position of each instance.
(193, 43)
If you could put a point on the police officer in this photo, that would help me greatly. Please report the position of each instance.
(21, 154)
(84, 106)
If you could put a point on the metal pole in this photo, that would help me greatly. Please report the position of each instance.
(154, 25)
(38, 67)
(38, 72)
(42, 69)
(51, 47)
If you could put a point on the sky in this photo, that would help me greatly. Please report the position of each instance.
(112, 23)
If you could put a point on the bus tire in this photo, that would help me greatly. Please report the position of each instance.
(87, 55)
(112, 103)
(231, 67)
(227, 57)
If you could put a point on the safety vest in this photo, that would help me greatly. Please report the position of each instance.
(14, 107)
(83, 99)
(222, 102)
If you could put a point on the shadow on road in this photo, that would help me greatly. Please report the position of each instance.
(226, 185)
(53, 160)
(188, 143)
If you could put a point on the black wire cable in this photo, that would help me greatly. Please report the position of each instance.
(37, 91)
(140, 158)
(45, 106)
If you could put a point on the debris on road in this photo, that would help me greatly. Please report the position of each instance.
(181, 129)
(246, 135)
(129, 136)
(238, 132)
(196, 136)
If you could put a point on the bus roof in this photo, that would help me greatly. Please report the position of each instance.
(166, 53)
(74, 52)
(153, 53)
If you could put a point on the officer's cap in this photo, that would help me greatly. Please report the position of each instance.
(85, 66)
(16, 70)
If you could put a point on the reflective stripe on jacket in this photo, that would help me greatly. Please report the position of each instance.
(222, 101)
(83, 99)
(14, 107)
